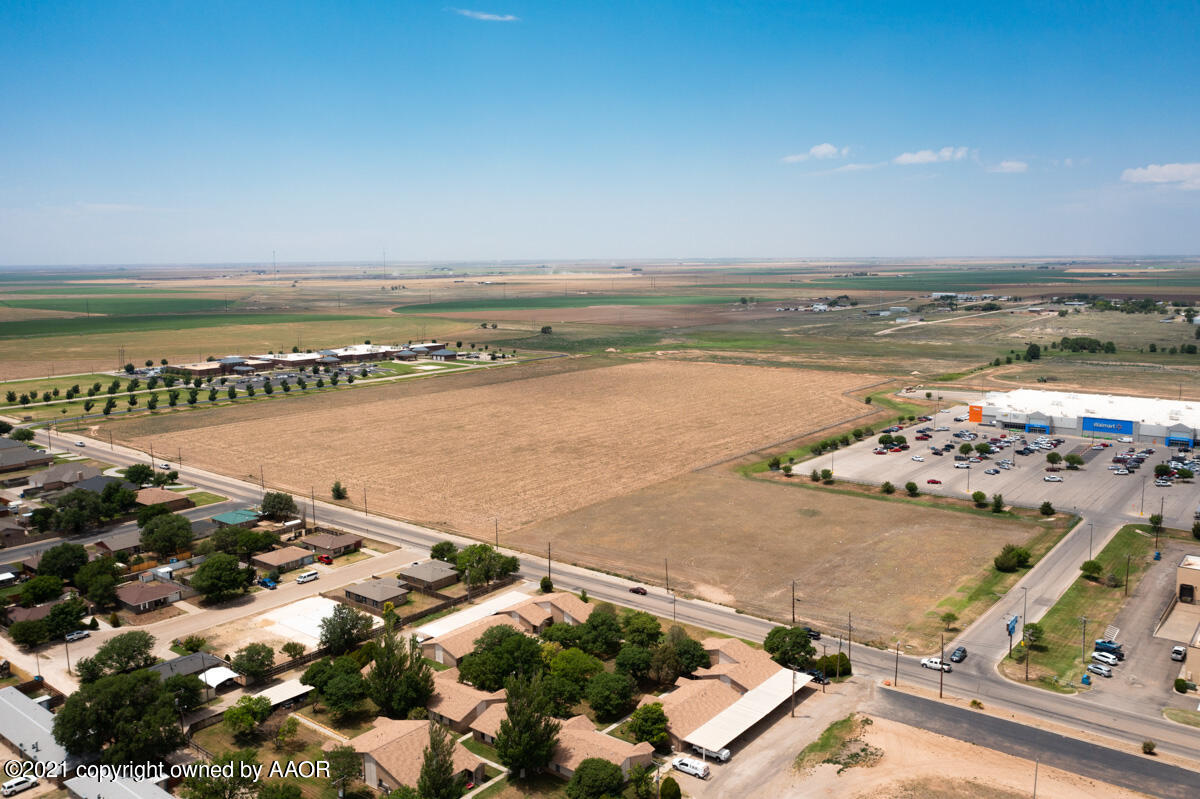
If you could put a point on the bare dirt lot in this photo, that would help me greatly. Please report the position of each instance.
(535, 442)
(627, 315)
(739, 541)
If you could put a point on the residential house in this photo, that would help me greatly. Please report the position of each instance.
(88, 787)
(457, 704)
(736, 663)
(376, 593)
(578, 740)
(393, 751)
(451, 648)
(691, 705)
(98, 484)
(430, 575)
(194, 663)
(14, 459)
(540, 611)
(242, 517)
(11, 531)
(284, 559)
(173, 500)
(142, 596)
(330, 544)
(17, 613)
(59, 477)
(28, 727)
(120, 545)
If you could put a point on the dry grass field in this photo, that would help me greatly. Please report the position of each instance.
(742, 542)
(522, 444)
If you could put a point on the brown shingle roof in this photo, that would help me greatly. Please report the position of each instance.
(155, 496)
(488, 722)
(330, 541)
(693, 703)
(456, 700)
(578, 740)
(398, 746)
(139, 593)
(539, 608)
(462, 641)
(744, 665)
(279, 557)
(69, 473)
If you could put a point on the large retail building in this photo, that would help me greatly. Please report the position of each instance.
(1143, 419)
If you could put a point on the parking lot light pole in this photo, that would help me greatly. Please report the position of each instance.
(1091, 529)
(942, 668)
(896, 675)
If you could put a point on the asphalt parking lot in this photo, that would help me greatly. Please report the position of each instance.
(1093, 487)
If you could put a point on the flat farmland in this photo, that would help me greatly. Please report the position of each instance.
(521, 444)
(741, 542)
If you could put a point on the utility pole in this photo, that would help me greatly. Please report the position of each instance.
(849, 634)
(312, 497)
(1083, 640)
(793, 603)
(1127, 574)
(364, 500)
(942, 669)
(547, 560)
(667, 572)
(1024, 617)
(896, 675)
(1037, 762)
(497, 521)
(262, 481)
(67, 644)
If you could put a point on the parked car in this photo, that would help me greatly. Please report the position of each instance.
(991, 471)
(1162, 483)
(691, 766)
(267, 582)
(1110, 646)
(935, 664)
(1052, 478)
(1099, 668)
(919, 458)
(720, 754)
(818, 676)
(1120, 471)
(933, 481)
(76, 635)
(937, 452)
(959, 654)
(1107, 658)
(1179, 653)
(637, 589)
(962, 466)
(325, 559)
(18, 784)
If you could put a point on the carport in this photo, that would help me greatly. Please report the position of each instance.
(753, 706)
(217, 675)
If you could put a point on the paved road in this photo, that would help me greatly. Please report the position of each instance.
(1095, 712)
(1127, 770)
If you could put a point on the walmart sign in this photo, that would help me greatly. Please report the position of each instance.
(1093, 425)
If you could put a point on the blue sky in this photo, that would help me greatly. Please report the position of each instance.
(201, 132)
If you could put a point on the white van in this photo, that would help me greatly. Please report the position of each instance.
(689, 765)
(18, 784)
(307, 577)
(720, 754)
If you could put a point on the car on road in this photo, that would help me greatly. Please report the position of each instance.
(164, 465)
(962, 466)
(328, 561)
(1099, 668)
(936, 664)
(1107, 658)
(813, 635)
(80, 444)
(1179, 653)
(959, 654)
(76, 635)
(933, 481)
(637, 589)
(991, 471)
(18, 784)
(267, 582)
(919, 458)
(1052, 478)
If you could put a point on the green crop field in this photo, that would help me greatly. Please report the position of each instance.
(576, 301)
(123, 306)
(90, 289)
(92, 325)
(950, 280)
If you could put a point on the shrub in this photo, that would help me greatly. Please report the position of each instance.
(912, 489)
(114, 620)
(1148, 747)
(836, 665)
(815, 476)
(887, 488)
(1047, 509)
(1091, 569)
(669, 788)
(339, 491)
(997, 503)
(774, 464)
(787, 470)
(547, 585)
(1180, 685)
(827, 476)
(980, 499)
(193, 643)
(1006, 561)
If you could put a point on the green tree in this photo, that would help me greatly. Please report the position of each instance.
(445, 551)
(139, 474)
(997, 503)
(1073, 461)
(127, 718)
(345, 766)
(231, 392)
(225, 781)
(166, 535)
(983, 448)
(669, 788)
(1091, 569)
(284, 733)
(344, 692)
(911, 488)
(634, 660)
(253, 661)
(439, 778)
(528, 733)
(980, 499)
(887, 488)
(641, 629)
(64, 617)
(790, 646)
(28, 633)
(342, 629)
(1033, 634)
(1033, 352)
(649, 723)
(243, 717)
(220, 577)
(965, 449)
(21, 434)
(338, 491)
(186, 690)
(1156, 522)
(575, 665)
(293, 649)
(62, 561)
(948, 618)
(546, 585)
(595, 777)
(609, 694)
(278, 505)
(601, 633)
(40, 589)
(400, 680)
(1053, 458)
(148, 513)
(641, 780)
(500, 652)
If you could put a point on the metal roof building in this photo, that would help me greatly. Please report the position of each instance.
(29, 728)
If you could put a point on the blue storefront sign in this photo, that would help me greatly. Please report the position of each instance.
(1113, 426)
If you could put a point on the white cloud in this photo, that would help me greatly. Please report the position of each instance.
(820, 151)
(485, 16)
(859, 167)
(1009, 167)
(931, 156)
(1183, 176)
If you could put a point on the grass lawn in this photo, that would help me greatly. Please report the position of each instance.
(1061, 656)
(830, 744)
(202, 498)
(306, 746)
(483, 750)
(350, 557)
(1181, 716)
(541, 786)
(349, 726)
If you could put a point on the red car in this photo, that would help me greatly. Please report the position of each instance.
(895, 449)
(934, 482)
(637, 589)
(325, 559)
(923, 437)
